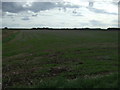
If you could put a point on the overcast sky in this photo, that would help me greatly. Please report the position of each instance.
(67, 13)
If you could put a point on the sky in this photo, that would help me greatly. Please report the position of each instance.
(59, 13)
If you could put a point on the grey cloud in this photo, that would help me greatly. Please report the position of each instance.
(65, 9)
(0, 5)
(100, 11)
(67, 5)
(34, 15)
(115, 21)
(41, 6)
(36, 7)
(91, 4)
(75, 13)
(115, 3)
(96, 23)
(13, 7)
(84, 24)
(25, 18)
(10, 15)
(1, 14)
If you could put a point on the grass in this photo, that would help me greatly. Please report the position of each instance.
(60, 59)
(109, 81)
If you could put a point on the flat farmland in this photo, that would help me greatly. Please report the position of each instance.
(59, 59)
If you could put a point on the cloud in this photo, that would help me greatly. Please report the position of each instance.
(96, 23)
(59, 14)
(78, 14)
(0, 5)
(34, 15)
(41, 6)
(67, 5)
(115, 3)
(91, 4)
(12, 7)
(101, 11)
(16, 7)
(74, 11)
(25, 18)
(10, 14)
(0, 13)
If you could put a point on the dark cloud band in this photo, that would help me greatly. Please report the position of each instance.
(15, 7)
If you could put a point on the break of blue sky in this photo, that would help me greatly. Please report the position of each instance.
(68, 13)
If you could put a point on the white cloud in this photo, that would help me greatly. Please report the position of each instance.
(108, 6)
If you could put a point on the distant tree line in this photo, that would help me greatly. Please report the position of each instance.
(46, 28)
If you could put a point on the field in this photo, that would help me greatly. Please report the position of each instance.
(60, 59)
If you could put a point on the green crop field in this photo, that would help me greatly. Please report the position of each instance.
(60, 59)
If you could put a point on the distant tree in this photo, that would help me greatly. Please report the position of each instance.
(5, 28)
(113, 28)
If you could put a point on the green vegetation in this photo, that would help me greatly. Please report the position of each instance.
(60, 59)
(8, 35)
(109, 81)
